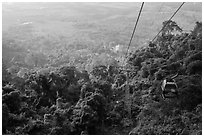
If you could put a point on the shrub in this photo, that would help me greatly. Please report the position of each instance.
(5, 117)
(194, 57)
(190, 91)
(12, 100)
(194, 67)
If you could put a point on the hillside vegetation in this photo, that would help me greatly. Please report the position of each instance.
(80, 93)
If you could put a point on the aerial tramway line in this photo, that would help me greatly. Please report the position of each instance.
(168, 85)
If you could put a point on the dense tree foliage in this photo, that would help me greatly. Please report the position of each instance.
(50, 95)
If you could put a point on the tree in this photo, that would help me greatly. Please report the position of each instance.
(170, 27)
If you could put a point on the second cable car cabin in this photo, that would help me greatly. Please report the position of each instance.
(169, 88)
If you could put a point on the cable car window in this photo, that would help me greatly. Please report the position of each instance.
(170, 86)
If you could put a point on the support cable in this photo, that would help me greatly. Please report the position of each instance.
(134, 28)
(168, 21)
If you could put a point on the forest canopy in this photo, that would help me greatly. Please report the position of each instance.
(53, 84)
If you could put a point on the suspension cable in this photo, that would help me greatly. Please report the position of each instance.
(134, 28)
(168, 21)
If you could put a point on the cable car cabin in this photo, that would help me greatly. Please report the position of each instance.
(169, 88)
